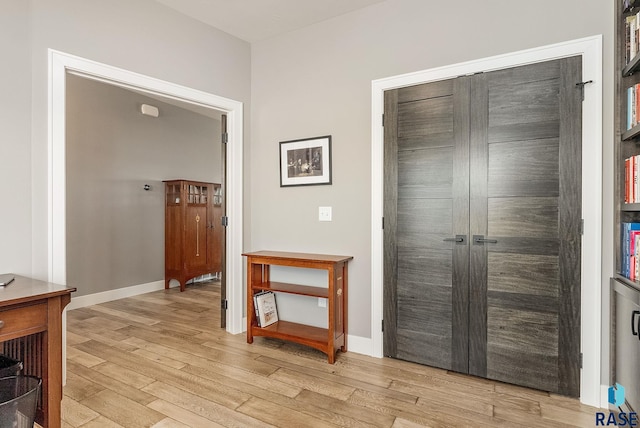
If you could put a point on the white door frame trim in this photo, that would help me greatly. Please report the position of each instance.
(59, 64)
(590, 48)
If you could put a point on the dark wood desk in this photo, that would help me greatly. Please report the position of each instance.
(31, 331)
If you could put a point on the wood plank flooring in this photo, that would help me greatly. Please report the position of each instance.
(160, 360)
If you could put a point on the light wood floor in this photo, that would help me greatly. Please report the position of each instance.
(160, 360)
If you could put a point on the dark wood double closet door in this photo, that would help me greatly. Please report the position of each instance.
(482, 225)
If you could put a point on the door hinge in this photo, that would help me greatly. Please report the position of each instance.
(581, 226)
(225, 221)
(224, 305)
(225, 137)
(382, 223)
(580, 359)
(382, 119)
(581, 86)
(382, 325)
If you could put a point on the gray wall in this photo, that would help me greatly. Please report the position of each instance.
(115, 229)
(317, 81)
(15, 138)
(141, 36)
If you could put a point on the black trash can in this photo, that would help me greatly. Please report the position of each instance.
(9, 366)
(18, 401)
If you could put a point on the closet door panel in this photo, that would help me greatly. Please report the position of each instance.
(523, 245)
(424, 268)
(411, 124)
(411, 275)
(425, 217)
(422, 347)
(478, 173)
(531, 217)
(443, 88)
(390, 223)
(524, 168)
(570, 229)
(424, 214)
(523, 273)
(425, 174)
(518, 346)
(519, 268)
(523, 102)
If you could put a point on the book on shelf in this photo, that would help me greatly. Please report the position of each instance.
(630, 250)
(266, 309)
(634, 254)
(632, 36)
(633, 106)
(632, 180)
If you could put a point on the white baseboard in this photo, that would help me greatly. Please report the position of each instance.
(360, 345)
(118, 293)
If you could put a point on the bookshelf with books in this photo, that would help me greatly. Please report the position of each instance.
(625, 285)
(627, 136)
(328, 340)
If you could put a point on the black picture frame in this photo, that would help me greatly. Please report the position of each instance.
(305, 162)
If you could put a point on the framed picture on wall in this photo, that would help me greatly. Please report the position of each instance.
(305, 162)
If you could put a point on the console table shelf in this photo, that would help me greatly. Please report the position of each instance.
(301, 333)
(327, 340)
(284, 287)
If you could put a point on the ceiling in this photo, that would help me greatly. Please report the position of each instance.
(252, 20)
(255, 20)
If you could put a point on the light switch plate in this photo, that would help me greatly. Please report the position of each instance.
(322, 302)
(324, 213)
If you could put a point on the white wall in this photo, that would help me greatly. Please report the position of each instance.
(317, 81)
(141, 36)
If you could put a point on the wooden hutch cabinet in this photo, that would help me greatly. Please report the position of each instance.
(193, 230)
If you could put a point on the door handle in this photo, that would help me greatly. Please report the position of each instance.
(634, 329)
(459, 239)
(480, 239)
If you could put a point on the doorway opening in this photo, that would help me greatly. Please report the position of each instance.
(59, 65)
(118, 160)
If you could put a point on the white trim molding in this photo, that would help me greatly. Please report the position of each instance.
(116, 294)
(359, 344)
(590, 49)
(59, 65)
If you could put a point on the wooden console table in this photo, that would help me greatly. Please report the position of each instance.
(327, 340)
(31, 332)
